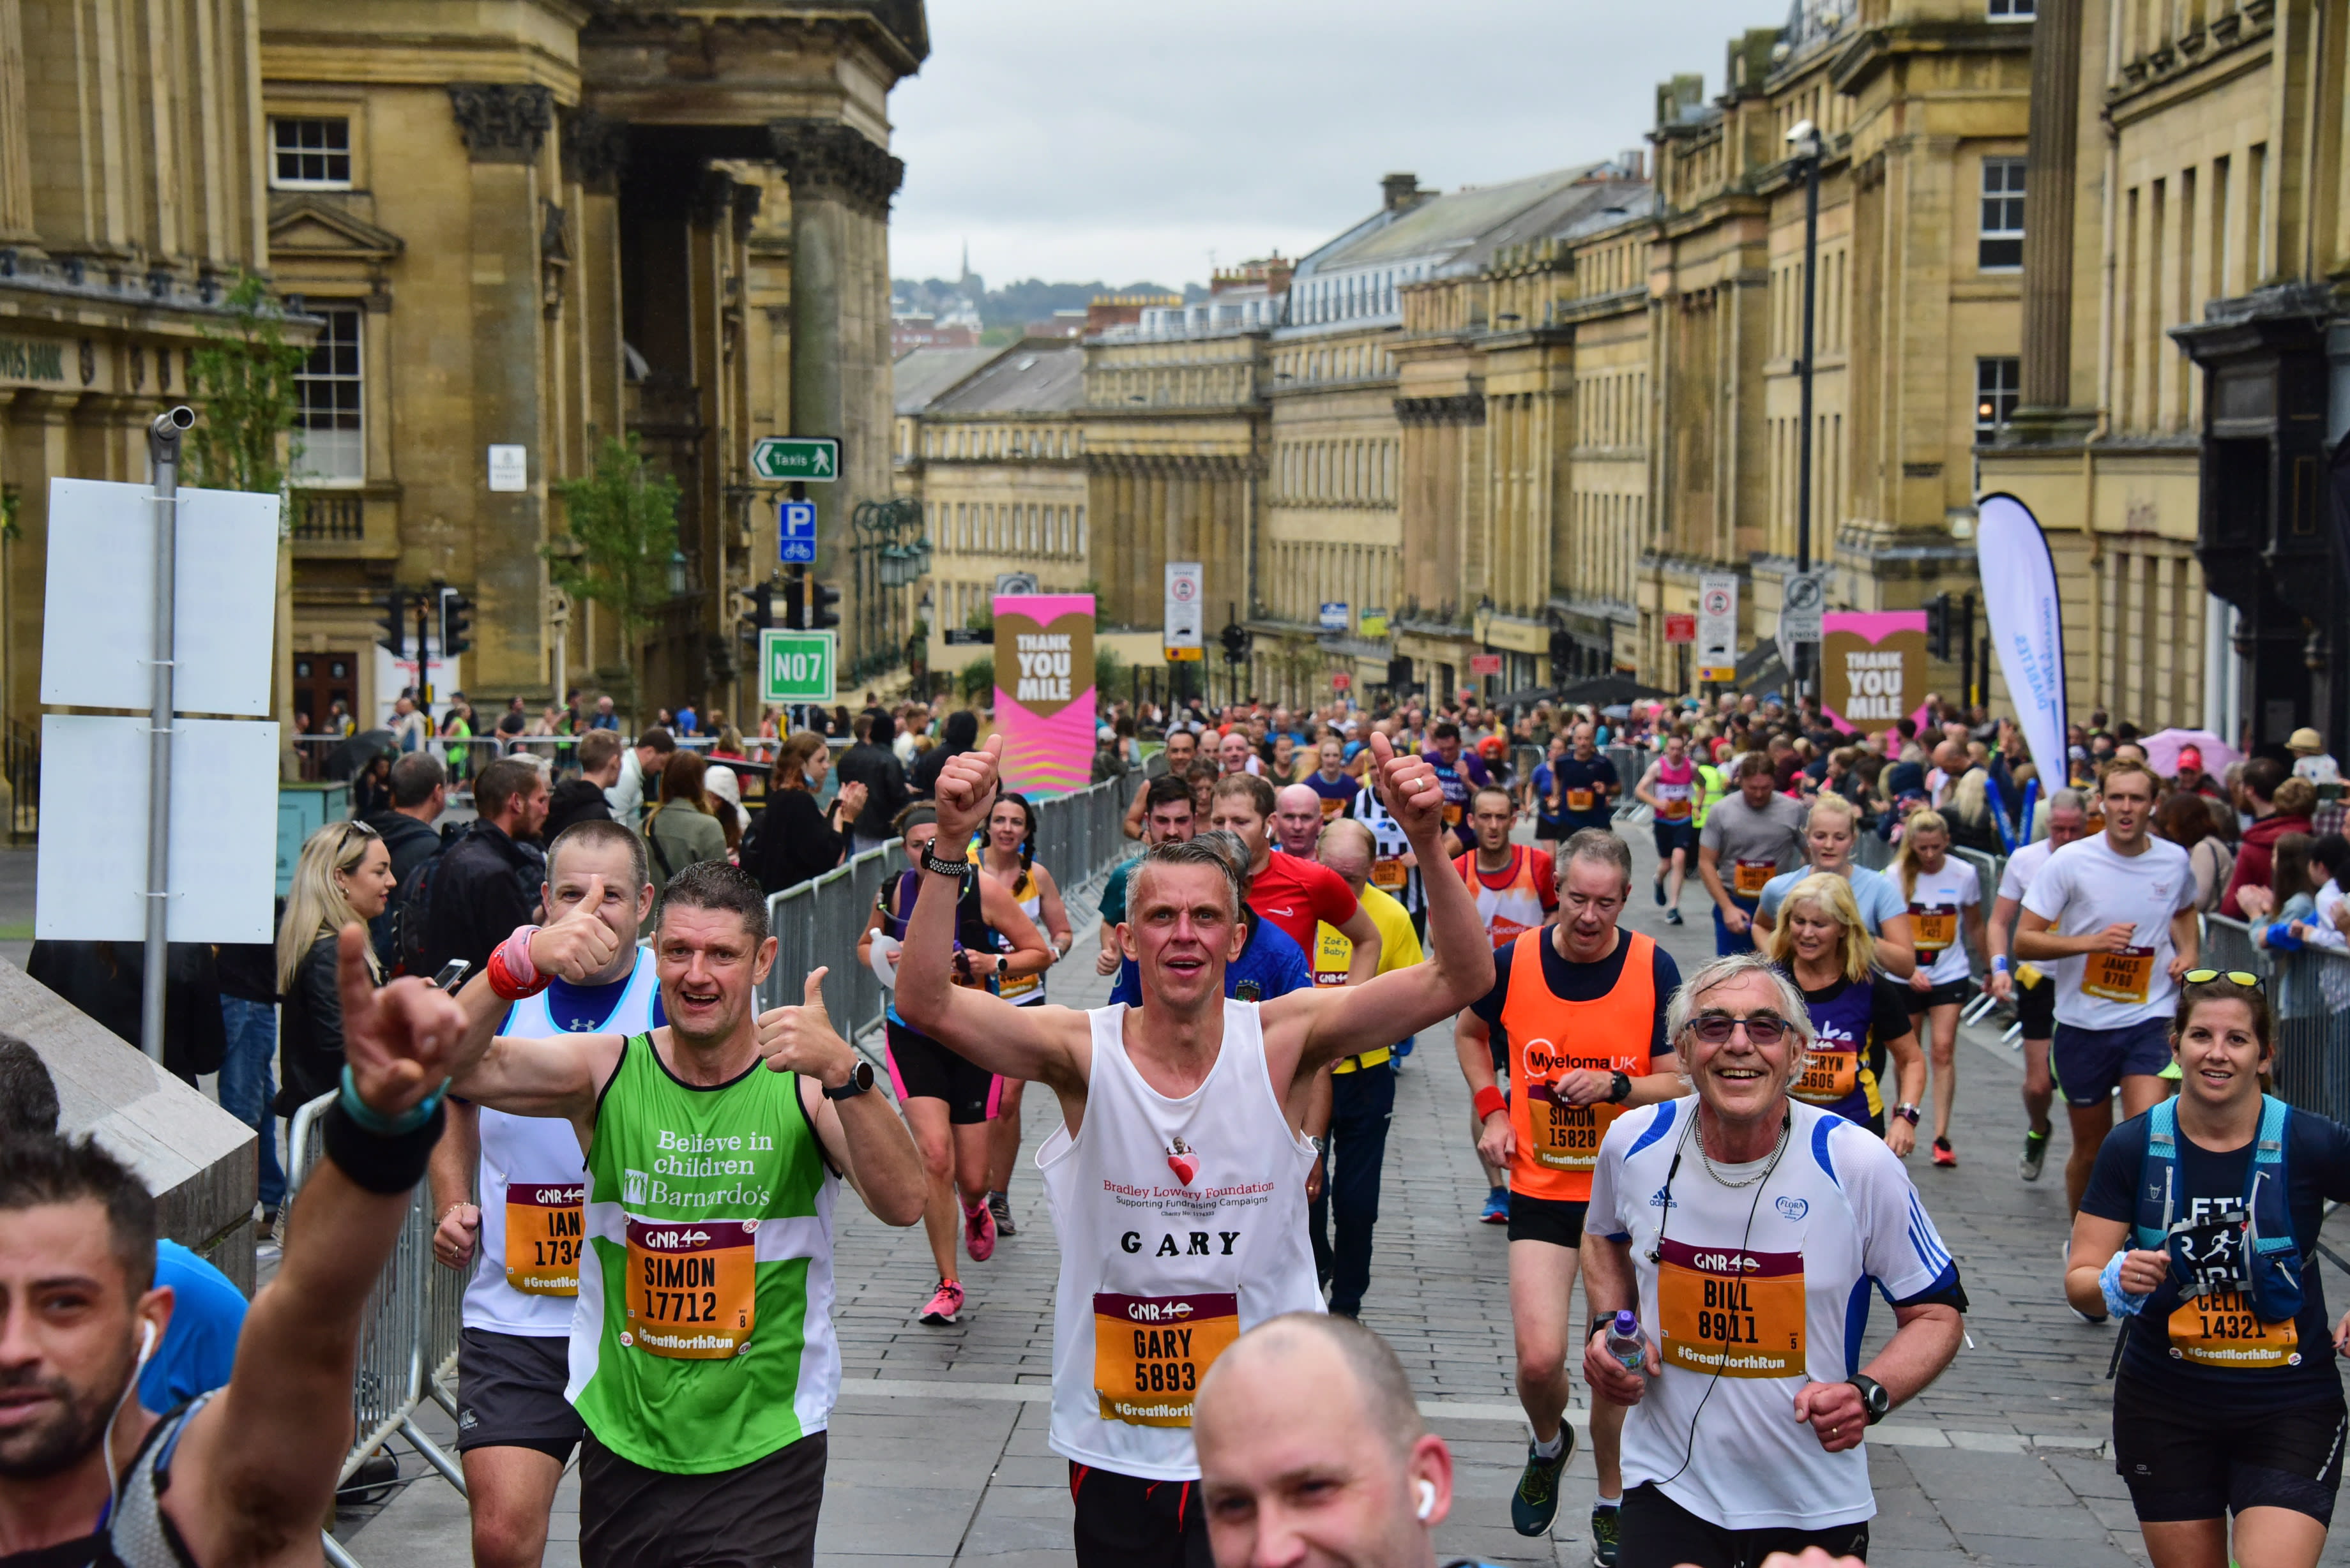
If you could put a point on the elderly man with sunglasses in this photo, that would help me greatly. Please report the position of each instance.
(1746, 1230)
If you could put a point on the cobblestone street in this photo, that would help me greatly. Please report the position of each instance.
(938, 1448)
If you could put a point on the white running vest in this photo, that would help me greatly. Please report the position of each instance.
(533, 1180)
(1512, 910)
(1182, 1224)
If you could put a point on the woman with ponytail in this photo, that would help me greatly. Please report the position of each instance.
(1008, 853)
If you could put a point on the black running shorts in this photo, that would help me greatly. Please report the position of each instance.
(2194, 1461)
(2035, 1007)
(759, 1515)
(1554, 1219)
(510, 1394)
(1952, 992)
(922, 1069)
(1125, 1522)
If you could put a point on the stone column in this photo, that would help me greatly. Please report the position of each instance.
(2048, 213)
(504, 127)
(16, 115)
(841, 184)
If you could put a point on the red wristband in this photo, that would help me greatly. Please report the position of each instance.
(504, 984)
(1489, 1099)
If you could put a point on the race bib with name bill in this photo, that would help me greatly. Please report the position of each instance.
(1730, 1312)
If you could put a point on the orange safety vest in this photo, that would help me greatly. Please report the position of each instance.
(1558, 1144)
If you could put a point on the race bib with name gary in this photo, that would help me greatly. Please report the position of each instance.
(693, 1289)
(543, 1237)
(1151, 1351)
(1734, 1313)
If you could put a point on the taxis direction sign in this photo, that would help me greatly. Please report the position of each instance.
(813, 459)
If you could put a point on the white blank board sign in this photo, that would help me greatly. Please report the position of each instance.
(92, 870)
(99, 632)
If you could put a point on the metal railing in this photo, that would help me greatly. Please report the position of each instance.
(2309, 1002)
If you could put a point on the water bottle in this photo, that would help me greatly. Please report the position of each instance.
(1624, 1343)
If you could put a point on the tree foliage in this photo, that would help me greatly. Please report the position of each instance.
(621, 527)
(975, 680)
(243, 376)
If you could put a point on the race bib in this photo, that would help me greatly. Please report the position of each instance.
(692, 1287)
(543, 1238)
(1390, 875)
(1830, 1077)
(2220, 1328)
(1579, 800)
(1676, 808)
(2125, 976)
(1016, 986)
(1936, 927)
(1150, 1353)
(1566, 1136)
(1737, 1314)
(1451, 813)
(1749, 877)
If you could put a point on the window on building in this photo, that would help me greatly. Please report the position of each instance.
(2001, 241)
(2011, 10)
(1999, 384)
(328, 422)
(310, 154)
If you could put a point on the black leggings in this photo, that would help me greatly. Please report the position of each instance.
(1660, 1533)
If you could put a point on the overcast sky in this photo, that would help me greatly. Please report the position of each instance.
(1073, 139)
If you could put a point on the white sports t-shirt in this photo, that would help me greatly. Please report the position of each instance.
(2085, 888)
(2023, 867)
(1783, 1270)
(1935, 923)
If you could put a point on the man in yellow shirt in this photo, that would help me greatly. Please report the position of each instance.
(1362, 1088)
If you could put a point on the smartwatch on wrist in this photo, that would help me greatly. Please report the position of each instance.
(1911, 1114)
(860, 1078)
(1873, 1397)
(1622, 1089)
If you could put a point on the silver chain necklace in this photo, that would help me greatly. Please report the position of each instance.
(1763, 1175)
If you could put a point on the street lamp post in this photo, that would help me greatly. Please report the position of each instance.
(1805, 139)
(891, 553)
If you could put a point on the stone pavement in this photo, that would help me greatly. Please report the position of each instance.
(938, 1450)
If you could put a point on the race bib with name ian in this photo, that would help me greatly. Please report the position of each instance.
(1734, 1313)
(1151, 1351)
(692, 1287)
(543, 1237)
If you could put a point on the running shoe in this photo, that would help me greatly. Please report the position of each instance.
(979, 1232)
(1607, 1536)
(1658, 887)
(2034, 1156)
(1944, 1154)
(1672, 916)
(945, 1304)
(1000, 1205)
(1536, 1503)
(1497, 1207)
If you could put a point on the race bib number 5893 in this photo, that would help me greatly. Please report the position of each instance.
(1150, 1353)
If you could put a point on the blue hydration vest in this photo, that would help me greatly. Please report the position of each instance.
(2272, 1263)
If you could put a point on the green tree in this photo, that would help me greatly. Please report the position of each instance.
(243, 376)
(620, 530)
(976, 680)
(1109, 675)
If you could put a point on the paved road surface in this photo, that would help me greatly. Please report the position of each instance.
(938, 1447)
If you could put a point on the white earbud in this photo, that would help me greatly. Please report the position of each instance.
(146, 1341)
(1427, 1498)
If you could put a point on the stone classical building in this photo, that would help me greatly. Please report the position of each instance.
(531, 224)
(128, 205)
(2188, 359)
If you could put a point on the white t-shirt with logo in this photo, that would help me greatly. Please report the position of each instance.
(1757, 1292)
(1935, 923)
(2023, 867)
(2085, 888)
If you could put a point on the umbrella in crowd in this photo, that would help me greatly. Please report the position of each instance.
(2162, 750)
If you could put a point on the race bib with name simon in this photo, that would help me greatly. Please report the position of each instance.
(692, 1287)
(1151, 1351)
(1566, 1136)
(543, 1237)
(1734, 1313)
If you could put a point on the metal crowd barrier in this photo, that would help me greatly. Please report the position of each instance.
(2309, 1000)
(408, 1339)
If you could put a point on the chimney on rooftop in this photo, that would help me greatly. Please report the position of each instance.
(1400, 191)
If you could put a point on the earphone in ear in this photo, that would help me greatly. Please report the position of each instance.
(146, 1341)
(1427, 1497)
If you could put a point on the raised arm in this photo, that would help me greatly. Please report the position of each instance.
(257, 1467)
(862, 1136)
(1041, 1042)
(1343, 1020)
(559, 1076)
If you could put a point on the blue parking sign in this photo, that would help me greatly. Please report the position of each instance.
(796, 531)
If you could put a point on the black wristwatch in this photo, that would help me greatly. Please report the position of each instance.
(1622, 1089)
(1873, 1397)
(860, 1078)
(955, 868)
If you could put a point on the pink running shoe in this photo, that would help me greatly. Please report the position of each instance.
(979, 1232)
(945, 1304)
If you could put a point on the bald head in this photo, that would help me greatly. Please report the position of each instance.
(1296, 819)
(1348, 848)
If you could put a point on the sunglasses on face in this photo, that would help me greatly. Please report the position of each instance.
(1762, 1029)
(2232, 976)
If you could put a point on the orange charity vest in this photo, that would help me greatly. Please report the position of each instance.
(1558, 1144)
(1516, 906)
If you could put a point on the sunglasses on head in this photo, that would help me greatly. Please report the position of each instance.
(1716, 1028)
(2232, 976)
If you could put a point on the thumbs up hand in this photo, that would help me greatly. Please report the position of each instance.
(802, 1039)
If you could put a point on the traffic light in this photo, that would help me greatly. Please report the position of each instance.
(822, 599)
(762, 606)
(1937, 626)
(456, 624)
(394, 639)
(1235, 641)
(796, 598)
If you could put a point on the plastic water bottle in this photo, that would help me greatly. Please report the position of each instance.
(1624, 1343)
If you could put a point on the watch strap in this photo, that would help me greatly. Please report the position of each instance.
(1874, 1401)
(957, 868)
(860, 1078)
(1622, 1089)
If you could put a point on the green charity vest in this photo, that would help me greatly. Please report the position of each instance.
(704, 1340)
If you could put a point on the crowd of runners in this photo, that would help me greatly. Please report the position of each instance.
(639, 1171)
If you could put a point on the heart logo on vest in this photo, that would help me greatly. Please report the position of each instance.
(1183, 1162)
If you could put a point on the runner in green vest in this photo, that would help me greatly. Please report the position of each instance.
(702, 1356)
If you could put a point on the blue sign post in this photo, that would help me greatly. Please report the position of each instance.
(795, 532)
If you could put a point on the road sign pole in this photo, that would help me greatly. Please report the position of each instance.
(163, 451)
